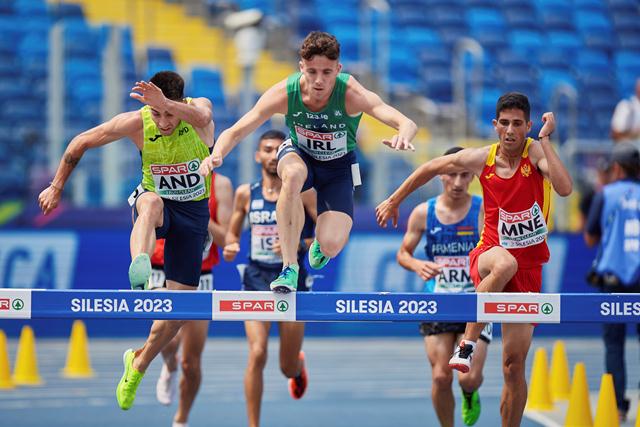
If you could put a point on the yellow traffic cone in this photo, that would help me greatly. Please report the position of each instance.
(559, 386)
(579, 411)
(539, 395)
(607, 410)
(78, 364)
(26, 369)
(5, 371)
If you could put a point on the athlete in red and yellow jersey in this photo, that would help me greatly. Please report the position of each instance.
(516, 175)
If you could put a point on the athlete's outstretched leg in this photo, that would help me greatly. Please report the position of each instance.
(258, 336)
(194, 337)
(291, 357)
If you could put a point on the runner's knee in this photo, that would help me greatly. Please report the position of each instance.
(470, 381)
(506, 266)
(513, 369)
(442, 378)
(191, 368)
(151, 207)
(293, 178)
(257, 356)
(331, 245)
(289, 370)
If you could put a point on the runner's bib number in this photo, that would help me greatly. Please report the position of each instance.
(179, 181)
(522, 229)
(455, 275)
(263, 237)
(323, 146)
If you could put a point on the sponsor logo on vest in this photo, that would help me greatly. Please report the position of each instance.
(183, 131)
(154, 138)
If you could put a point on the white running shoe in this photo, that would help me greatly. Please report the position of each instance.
(461, 359)
(167, 385)
(177, 424)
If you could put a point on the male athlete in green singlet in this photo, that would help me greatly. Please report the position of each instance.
(322, 108)
(173, 134)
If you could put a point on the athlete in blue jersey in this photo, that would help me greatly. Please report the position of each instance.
(450, 222)
(258, 202)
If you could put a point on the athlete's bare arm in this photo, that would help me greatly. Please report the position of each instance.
(359, 99)
(415, 230)
(472, 159)
(121, 126)
(198, 113)
(240, 209)
(547, 161)
(273, 101)
(224, 207)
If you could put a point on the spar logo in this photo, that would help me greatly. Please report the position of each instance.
(7, 304)
(517, 308)
(282, 306)
(193, 165)
(247, 306)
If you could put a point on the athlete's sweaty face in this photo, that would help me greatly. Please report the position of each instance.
(320, 75)
(165, 121)
(512, 128)
(456, 183)
(267, 155)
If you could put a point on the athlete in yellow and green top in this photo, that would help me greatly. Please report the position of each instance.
(173, 134)
(322, 109)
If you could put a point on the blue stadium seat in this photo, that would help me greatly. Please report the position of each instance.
(565, 41)
(208, 83)
(35, 45)
(80, 40)
(629, 39)
(521, 17)
(549, 80)
(527, 42)
(592, 63)
(592, 5)
(625, 20)
(30, 8)
(67, 11)
(555, 14)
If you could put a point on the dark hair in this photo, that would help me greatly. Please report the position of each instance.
(320, 43)
(453, 150)
(514, 100)
(171, 84)
(273, 134)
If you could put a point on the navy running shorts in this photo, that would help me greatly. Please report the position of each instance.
(435, 328)
(184, 228)
(333, 180)
(258, 277)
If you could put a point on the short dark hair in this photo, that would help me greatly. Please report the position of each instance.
(171, 84)
(627, 156)
(320, 43)
(273, 134)
(453, 150)
(514, 100)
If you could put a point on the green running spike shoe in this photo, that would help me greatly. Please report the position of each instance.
(139, 272)
(287, 280)
(317, 260)
(470, 407)
(126, 390)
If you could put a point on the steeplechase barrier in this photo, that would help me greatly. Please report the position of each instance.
(319, 306)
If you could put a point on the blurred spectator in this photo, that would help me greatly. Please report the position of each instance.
(614, 223)
(589, 189)
(625, 123)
